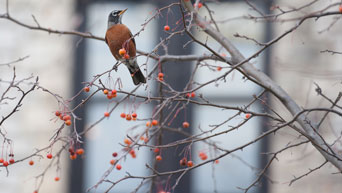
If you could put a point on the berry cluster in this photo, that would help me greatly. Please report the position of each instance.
(65, 117)
(73, 153)
(129, 117)
(186, 162)
(7, 163)
(192, 95)
(123, 53)
(111, 94)
(151, 123)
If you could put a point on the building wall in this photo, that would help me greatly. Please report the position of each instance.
(51, 59)
(296, 65)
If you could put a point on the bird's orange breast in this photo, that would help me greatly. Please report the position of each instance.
(119, 36)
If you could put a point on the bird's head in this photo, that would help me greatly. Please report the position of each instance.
(115, 17)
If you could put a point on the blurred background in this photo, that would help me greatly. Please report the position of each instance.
(63, 62)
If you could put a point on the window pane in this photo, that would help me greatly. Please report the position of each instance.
(226, 15)
(233, 170)
(237, 169)
(104, 138)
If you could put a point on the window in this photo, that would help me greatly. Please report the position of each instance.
(102, 141)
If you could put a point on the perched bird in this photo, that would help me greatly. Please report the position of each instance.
(122, 45)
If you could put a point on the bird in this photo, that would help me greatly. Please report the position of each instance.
(122, 45)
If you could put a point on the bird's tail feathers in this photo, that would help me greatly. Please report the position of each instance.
(135, 71)
(137, 76)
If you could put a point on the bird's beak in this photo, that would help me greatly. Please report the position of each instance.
(123, 11)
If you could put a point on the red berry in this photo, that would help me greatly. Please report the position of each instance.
(193, 95)
(105, 91)
(86, 89)
(31, 162)
(11, 161)
(68, 122)
(146, 139)
(134, 115)
(186, 124)
(106, 114)
(56, 179)
(132, 152)
(1, 160)
(190, 164)
(159, 158)
(126, 56)
(114, 92)
(217, 161)
(199, 5)
(66, 117)
(109, 96)
(154, 122)
(183, 162)
(161, 76)
(128, 117)
(112, 162)
(73, 156)
(166, 28)
(219, 68)
(71, 150)
(148, 124)
(118, 167)
(5, 163)
(57, 113)
(80, 151)
(340, 8)
(123, 115)
(187, 95)
(49, 156)
(204, 157)
(156, 150)
(248, 116)
(122, 51)
(115, 154)
(127, 141)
